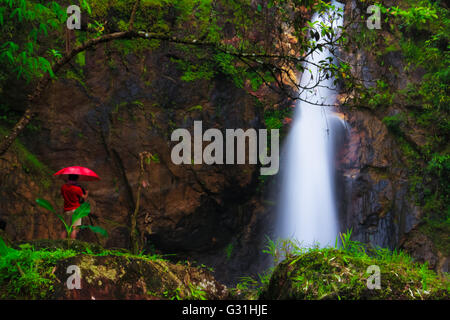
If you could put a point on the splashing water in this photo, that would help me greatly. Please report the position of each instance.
(308, 209)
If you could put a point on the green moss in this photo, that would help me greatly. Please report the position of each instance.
(134, 46)
(342, 273)
(81, 59)
(439, 233)
(70, 74)
(55, 245)
(229, 251)
(194, 108)
(26, 272)
(30, 163)
(393, 122)
(96, 271)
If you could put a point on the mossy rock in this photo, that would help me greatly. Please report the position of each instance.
(65, 244)
(125, 277)
(39, 269)
(334, 274)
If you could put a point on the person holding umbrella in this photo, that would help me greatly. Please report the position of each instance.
(73, 194)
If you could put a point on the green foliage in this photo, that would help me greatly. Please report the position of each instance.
(273, 122)
(134, 46)
(21, 49)
(439, 167)
(45, 204)
(420, 31)
(27, 273)
(438, 230)
(3, 248)
(393, 122)
(349, 246)
(281, 248)
(229, 250)
(95, 229)
(245, 284)
(340, 272)
(30, 163)
(417, 16)
(195, 293)
(193, 72)
(72, 74)
(81, 59)
(274, 118)
(195, 108)
(82, 211)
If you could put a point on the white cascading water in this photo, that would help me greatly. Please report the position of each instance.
(308, 210)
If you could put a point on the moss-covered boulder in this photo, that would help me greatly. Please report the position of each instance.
(337, 274)
(133, 277)
(52, 245)
(41, 270)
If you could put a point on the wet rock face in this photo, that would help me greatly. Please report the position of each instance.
(126, 105)
(374, 200)
(421, 247)
(185, 205)
(21, 182)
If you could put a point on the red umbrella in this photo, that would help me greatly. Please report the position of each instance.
(84, 173)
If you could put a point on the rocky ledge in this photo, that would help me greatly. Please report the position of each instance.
(353, 274)
(47, 269)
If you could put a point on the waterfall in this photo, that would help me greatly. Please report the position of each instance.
(307, 208)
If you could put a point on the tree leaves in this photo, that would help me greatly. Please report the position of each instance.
(31, 20)
(2, 11)
(315, 35)
(45, 65)
(18, 12)
(85, 5)
(43, 28)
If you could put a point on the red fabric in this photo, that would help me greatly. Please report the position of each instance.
(84, 173)
(71, 195)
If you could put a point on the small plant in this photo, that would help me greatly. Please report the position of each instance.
(3, 248)
(26, 272)
(194, 108)
(196, 293)
(82, 211)
(246, 283)
(394, 122)
(247, 288)
(354, 247)
(282, 248)
(229, 251)
(176, 295)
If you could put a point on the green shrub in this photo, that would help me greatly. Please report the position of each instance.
(394, 122)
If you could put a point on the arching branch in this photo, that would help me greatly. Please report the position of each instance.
(34, 97)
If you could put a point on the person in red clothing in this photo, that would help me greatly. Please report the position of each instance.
(72, 194)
